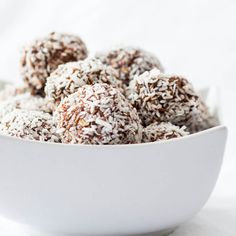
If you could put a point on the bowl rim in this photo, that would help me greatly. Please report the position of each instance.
(107, 146)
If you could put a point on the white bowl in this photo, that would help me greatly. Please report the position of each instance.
(61, 189)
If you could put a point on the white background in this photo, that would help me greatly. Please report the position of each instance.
(195, 38)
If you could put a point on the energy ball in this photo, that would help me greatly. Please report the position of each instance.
(68, 78)
(167, 98)
(26, 102)
(98, 114)
(203, 121)
(11, 90)
(44, 55)
(162, 131)
(129, 62)
(31, 125)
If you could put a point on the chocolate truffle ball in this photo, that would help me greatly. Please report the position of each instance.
(162, 131)
(26, 102)
(11, 90)
(203, 121)
(129, 61)
(44, 55)
(68, 78)
(98, 114)
(166, 98)
(32, 125)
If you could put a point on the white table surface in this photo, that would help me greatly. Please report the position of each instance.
(218, 218)
(196, 38)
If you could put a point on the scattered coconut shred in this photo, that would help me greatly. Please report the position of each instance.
(168, 98)
(162, 131)
(44, 55)
(32, 125)
(68, 78)
(98, 114)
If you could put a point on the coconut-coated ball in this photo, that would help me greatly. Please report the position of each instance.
(44, 55)
(203, 121)
(98, 114)
(12, 90)
(31, 125)
(68, 78)
(26, 102)
(162, 131)
(166, 98)
(130, 61)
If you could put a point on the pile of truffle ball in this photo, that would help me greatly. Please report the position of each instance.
(122, 96)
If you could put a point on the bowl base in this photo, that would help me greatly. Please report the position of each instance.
(157, 233)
